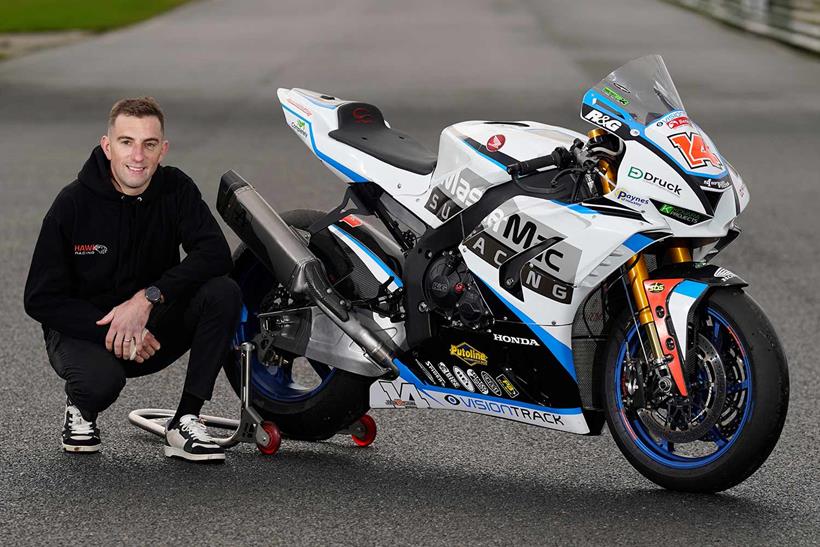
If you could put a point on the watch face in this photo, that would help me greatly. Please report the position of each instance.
(153, 295)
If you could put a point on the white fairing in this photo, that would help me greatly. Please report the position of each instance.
(408, 392)
(463, 174)
(681, 300)
(591, 242)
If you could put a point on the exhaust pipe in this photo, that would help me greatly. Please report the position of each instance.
(287, 256)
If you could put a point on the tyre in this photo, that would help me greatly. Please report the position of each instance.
(307, 400)
(739, 393)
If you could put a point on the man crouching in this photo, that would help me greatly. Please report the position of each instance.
(113, 297)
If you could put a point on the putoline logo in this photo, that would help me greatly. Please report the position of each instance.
(468, 354)
(495, 143)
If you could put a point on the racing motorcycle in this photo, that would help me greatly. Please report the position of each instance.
(527, 272)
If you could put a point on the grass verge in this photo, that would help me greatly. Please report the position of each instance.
(93, 15)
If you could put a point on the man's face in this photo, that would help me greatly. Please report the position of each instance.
(135, 147)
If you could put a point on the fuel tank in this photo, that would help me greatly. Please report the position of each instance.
(473, 156)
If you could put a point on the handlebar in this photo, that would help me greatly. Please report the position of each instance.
(560, 157)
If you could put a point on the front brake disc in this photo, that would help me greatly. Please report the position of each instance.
(688, 419)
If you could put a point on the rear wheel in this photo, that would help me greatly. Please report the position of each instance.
(739, 391)
(307, 400)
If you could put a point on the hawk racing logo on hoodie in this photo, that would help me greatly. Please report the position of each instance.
(90, 249)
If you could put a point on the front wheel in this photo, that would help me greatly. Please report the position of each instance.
(732, 419)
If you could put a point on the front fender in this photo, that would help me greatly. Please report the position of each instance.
(674, 293)
(710, 274)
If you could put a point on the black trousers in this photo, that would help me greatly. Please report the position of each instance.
(204, 323)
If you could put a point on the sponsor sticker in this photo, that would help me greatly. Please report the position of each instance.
(677, 122)
(463, 379)
(491, 384)
(455, 192)
(505, 383)
(441, 205)
(521, 414)
(640, 174)
(473, 375)
(723, 274)
(621, 87)
(515, 340)
(353, 221)
(716, 184)
(655, 287)
(521, 232)
(614, 95)
(490, 249)
(468, 354)
(626, 197)
(447, 374)
(304, 110)
(452, 399)
(434, 372)
(403, 395)
(426, 372)
(680, 214)
(300, 127)
(545, 284)
(605, 121)
(495, 143)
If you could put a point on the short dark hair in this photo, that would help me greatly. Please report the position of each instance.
(139, 107)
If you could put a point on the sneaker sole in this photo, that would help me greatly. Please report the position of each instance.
(71, 448)
(173, 452)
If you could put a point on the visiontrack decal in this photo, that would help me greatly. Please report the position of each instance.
(403, 394)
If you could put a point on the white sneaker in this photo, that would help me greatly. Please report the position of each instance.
(79, 435)
(189, 439)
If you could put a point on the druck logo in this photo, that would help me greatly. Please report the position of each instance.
(635, 173)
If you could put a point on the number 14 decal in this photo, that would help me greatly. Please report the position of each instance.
(695, 150)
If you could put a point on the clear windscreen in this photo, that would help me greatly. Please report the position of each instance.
(643, 88)
(639, 101)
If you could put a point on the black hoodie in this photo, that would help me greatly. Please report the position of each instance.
(97, 247)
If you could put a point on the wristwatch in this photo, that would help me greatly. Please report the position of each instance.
(153, 295)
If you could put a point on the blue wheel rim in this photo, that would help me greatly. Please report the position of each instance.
(663, 452)
(273, 383)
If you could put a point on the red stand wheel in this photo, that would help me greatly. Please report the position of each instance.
(274, 439)
(369, 435)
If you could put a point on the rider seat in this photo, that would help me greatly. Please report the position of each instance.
(362, 126)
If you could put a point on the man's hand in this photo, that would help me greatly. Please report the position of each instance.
(127, 323)
(150, 345)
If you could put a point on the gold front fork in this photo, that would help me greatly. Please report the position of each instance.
(637, 272)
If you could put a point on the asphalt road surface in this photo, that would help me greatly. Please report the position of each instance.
(430, 478)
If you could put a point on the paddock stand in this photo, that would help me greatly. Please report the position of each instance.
(250, 427)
